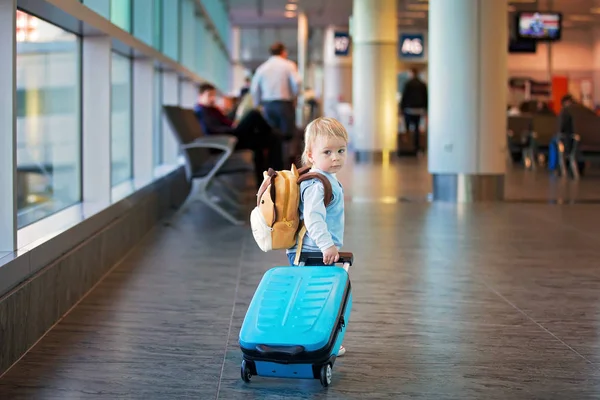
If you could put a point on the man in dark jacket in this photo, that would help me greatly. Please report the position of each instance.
(566, 129)
(565, 118)
(414, 104)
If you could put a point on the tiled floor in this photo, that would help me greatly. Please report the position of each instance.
(485, 301)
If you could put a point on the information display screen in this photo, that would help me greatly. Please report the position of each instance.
(545, 26)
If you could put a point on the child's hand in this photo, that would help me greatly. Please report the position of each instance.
(331, 255)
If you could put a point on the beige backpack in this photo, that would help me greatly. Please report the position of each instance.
(275, 220)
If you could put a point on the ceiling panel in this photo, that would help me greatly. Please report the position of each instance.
(264, 21)
(411, 13)
(273, 12)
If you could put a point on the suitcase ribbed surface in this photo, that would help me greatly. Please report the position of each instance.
(303, 300)
(295, 306)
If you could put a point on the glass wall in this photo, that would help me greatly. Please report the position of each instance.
(102, 7)
(157, 25)
(188, 34)
(143, 20)
(120, 13)
(203, 54)
(49, 85)
(170, 28)
(218, 14)
(48, 119)
(121, 127)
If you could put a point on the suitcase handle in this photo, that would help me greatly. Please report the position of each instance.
(346, 258)
(274, 350)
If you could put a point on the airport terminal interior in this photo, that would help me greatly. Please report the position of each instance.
(471, 190)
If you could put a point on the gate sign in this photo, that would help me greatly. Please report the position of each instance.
(341, 41)
(412, 45)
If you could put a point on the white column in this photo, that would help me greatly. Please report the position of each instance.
(302, 53)
(302, 44)
(170, 93)
(238, 74)
(319, 81)
(310, 75)
(96, 64)
(374, 60)
(143, 122)
(8, 128)
(467, 98)
(337, 73)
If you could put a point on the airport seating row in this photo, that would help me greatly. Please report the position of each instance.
(529, 137)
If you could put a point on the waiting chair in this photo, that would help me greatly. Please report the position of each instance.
(207, 157)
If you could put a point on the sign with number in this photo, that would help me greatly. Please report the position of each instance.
(341, 41)
(412, 45)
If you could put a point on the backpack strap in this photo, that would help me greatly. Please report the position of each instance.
(301, 234)
(305, 176)
(263, 188)
(327, 198)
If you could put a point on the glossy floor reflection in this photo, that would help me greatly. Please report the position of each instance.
(407, 179)
(485, 301)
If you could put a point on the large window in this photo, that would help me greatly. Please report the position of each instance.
(120, 14)
(170, 28)
(102, 7)
(121, 116)
(158, 22)
(187, 34)
(48, 119)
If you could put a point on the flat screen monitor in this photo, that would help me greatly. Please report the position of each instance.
(542, 26)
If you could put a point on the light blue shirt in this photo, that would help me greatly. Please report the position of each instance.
(275, 79)
(325, 226)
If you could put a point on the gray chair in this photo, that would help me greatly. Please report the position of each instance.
(207, 158)
(586, 141)
(543, 131)
(518, 137)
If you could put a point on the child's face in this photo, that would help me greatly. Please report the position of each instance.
(328, 154)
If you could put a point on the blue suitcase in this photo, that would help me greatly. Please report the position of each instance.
(296, 321)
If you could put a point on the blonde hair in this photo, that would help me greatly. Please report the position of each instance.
(321, 127)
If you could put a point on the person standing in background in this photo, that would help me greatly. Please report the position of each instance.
(414, 104)
(246, 88)
(275, 86)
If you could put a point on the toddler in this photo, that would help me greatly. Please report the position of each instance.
(326, 142)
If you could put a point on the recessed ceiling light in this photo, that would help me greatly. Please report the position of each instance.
(291, 7)
(290, 14)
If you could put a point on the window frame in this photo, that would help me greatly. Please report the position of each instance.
(79, 118)
(126, 182)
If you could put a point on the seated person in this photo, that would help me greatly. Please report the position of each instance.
(253, 132)
(543, 108)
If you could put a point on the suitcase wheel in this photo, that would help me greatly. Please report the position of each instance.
(246, 373)
(326, 372)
